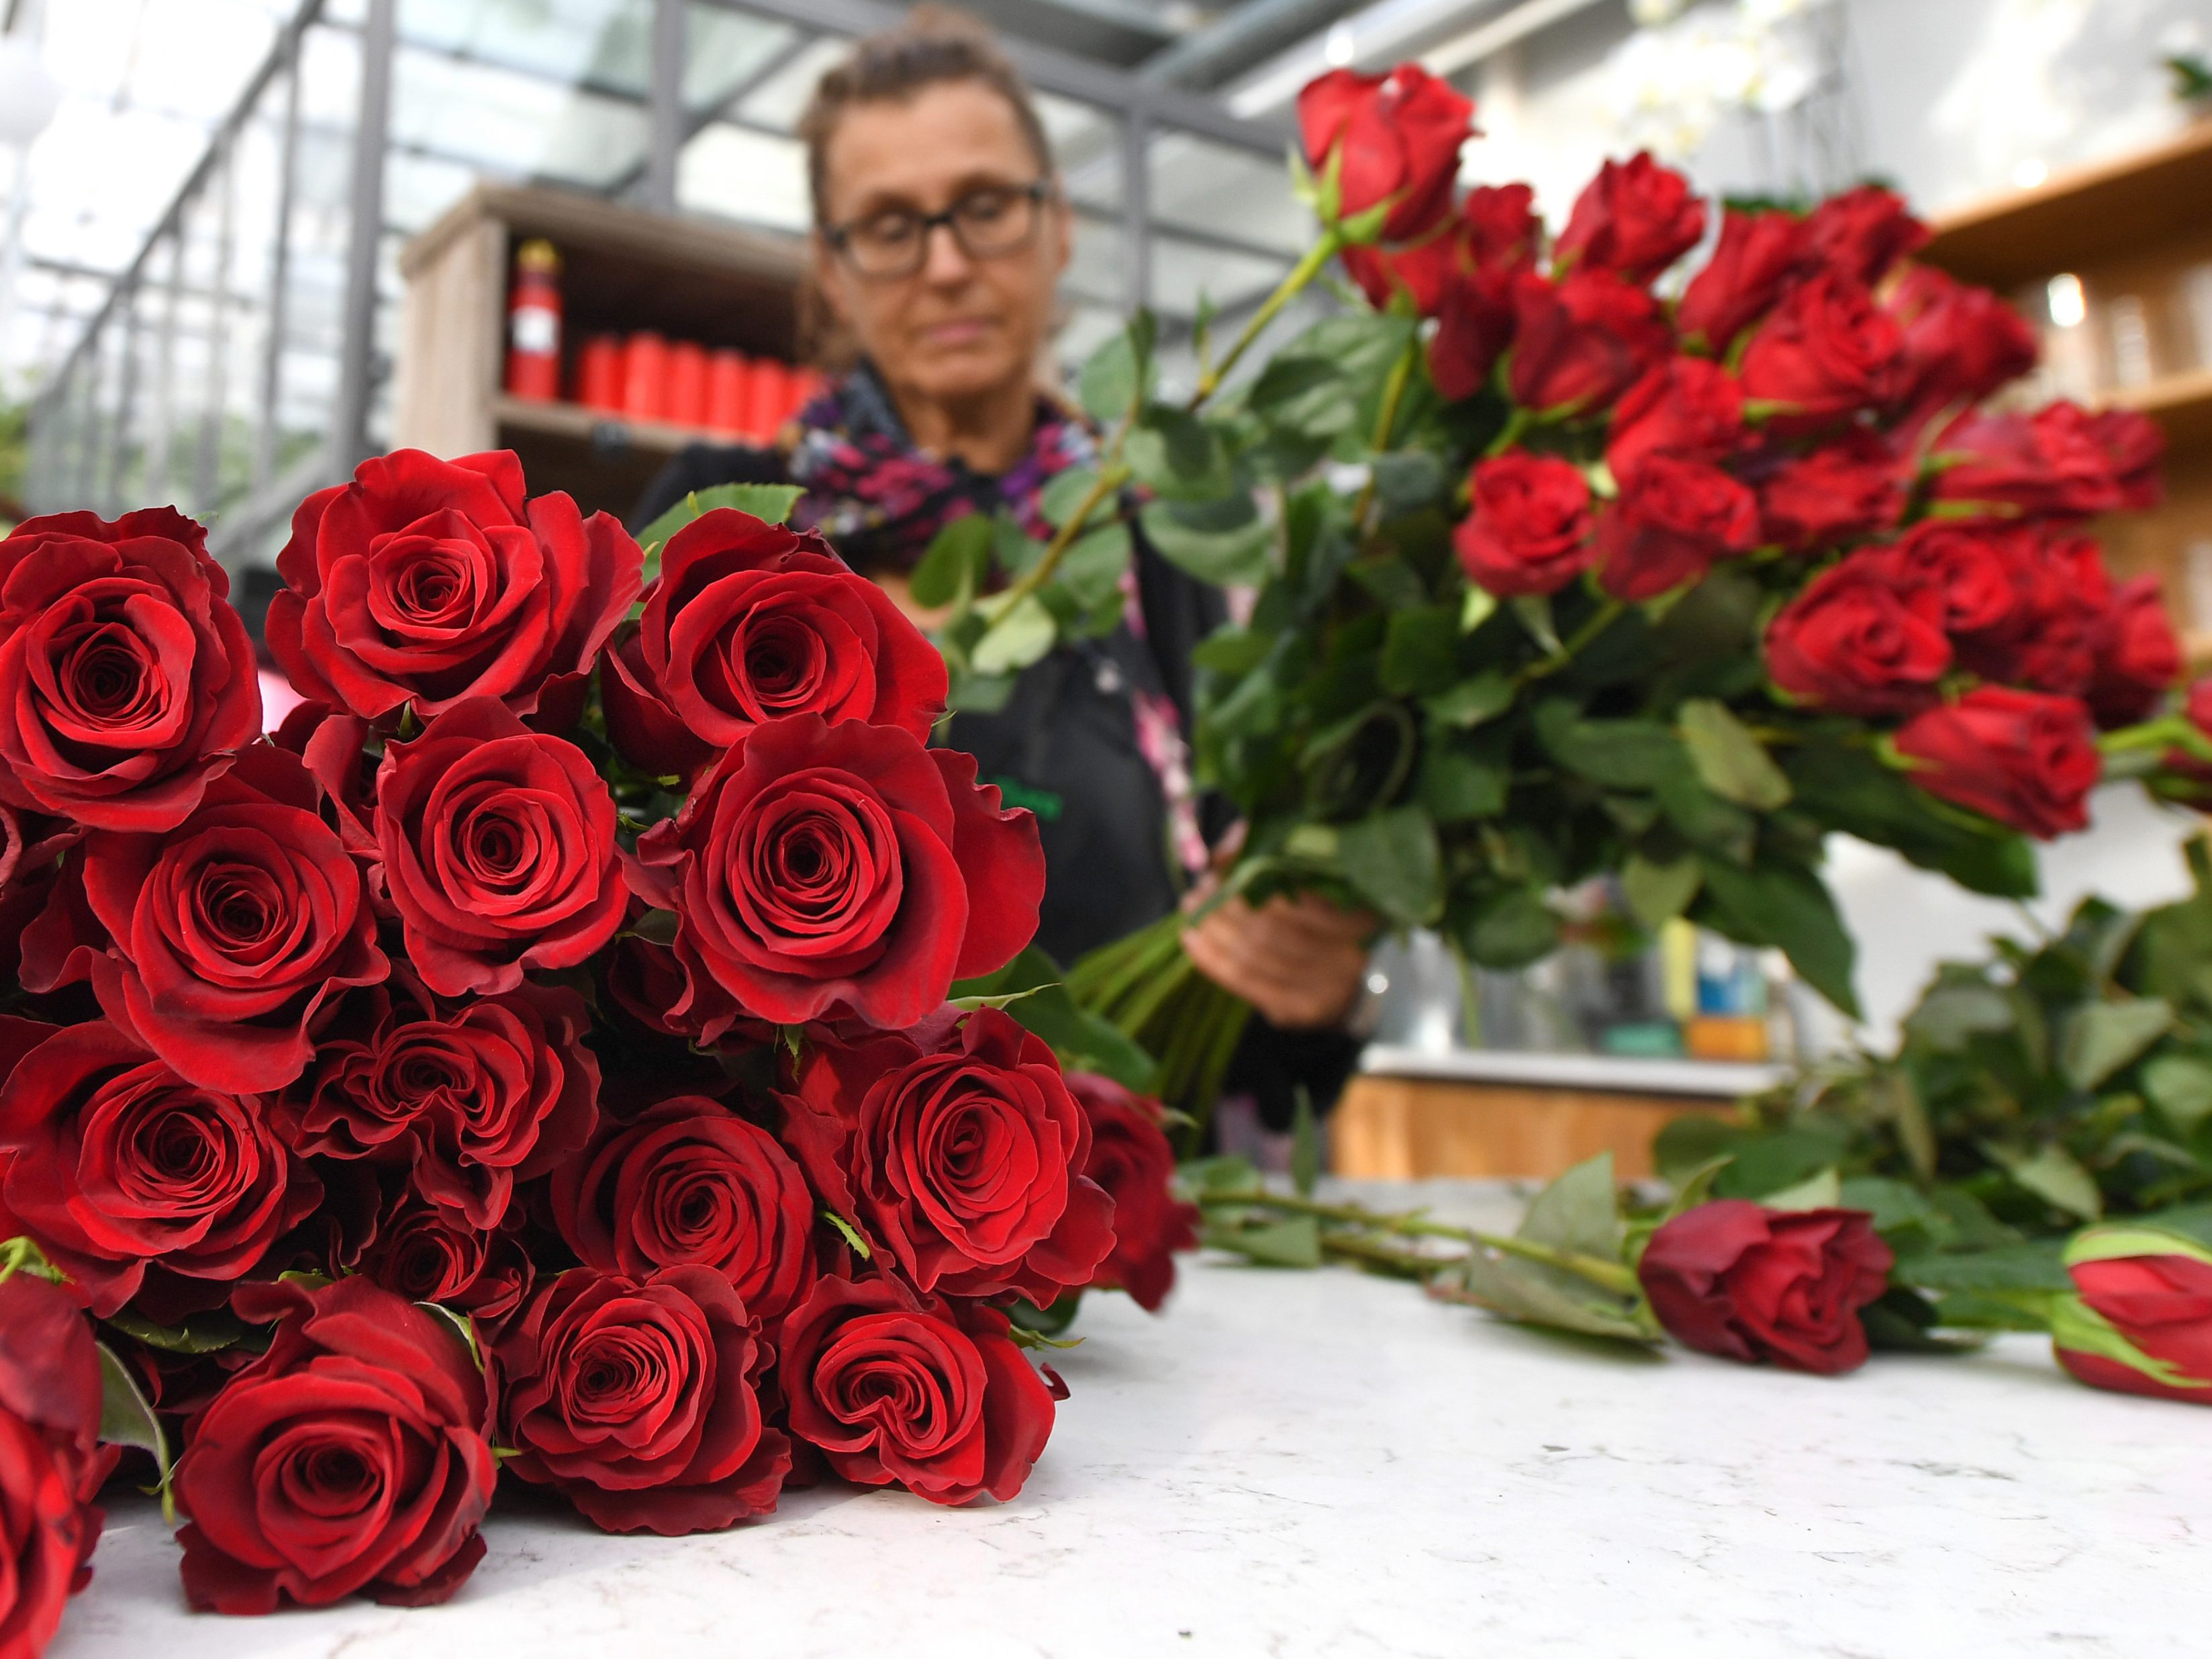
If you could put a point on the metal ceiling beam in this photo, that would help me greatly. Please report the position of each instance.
(1246, 34)
(1465, 51)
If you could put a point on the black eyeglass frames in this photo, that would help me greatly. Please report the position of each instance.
(988, 222)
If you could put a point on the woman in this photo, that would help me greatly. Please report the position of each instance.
(940, 234)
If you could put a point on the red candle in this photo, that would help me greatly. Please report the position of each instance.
(599, 373)
(687, 383)
(728, 375)
(764, 406)
(645, 376)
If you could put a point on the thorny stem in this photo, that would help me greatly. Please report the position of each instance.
(1386, 416)
(1111, 478)
(1301, 273)
(1600, 619)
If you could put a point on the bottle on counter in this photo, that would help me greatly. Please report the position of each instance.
(533, 322)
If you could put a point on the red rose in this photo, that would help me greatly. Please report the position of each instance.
(31, 847)
(1580, 342)
(690, 1183)
(2062, 460)
(1474, 325)
(1961, 343)
(1495, 231)
(639, 1400)
(1757, 255)
(126, 680)
(118, 1164)
(1529, 531)
(424, 582)
(1826, 352)
(963, 1160)
(1685, 407)
(52, 1463)
(1861, 234)
(1634, 219)
(427, 1252)
(1673, 518)
(348, 1457)
(1861, 639)
(2025, 758)
(1850, 487)
(2053, 641)
(1131, 1159)
(2139, 657)
(2159, 1308)
(1393, 137)
(893, 1386)
(1746, 1283)
(644, 730)
(820, 867)
(498, 847)
(1987, 574)
(333, 746)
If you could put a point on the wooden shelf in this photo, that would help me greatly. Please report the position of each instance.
(2180, 403)
(604, 428)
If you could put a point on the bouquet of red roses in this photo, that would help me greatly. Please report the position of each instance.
(426, 1092)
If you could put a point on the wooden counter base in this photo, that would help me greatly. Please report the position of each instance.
(1401, 1128)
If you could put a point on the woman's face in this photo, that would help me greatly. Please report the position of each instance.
(960, 327)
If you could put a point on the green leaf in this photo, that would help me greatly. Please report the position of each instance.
(1728, 759)
(126, 1420)
(1457, 786)
(1293, 1241)
(1393, 860)
(1577, 1211)
(1901, 1321)
(1310, 397)
(198, 1333)
(1658, 893)
(1418, 652)
(958, 558)
(1039, 1002)
(1305, 1143)
(1065, 492)
(1539, 1295)
(463, 1327)
(1232, 651)
(1472, 701)
(2052, 1175)
(1623, 754)
(1510, 929)
(1224, 542)
(2181, 1086)
(1091, 570)
(1786, 906)
(1477, 608)
(1108, 388)
(1176, 455)
(1534, 612)
(1781, 1158)
(1406, 479)
(2031, 1266)
(769, 503)
(1821, 1191)
(1017, 639)
(2106, 1036)
(1951, 1015)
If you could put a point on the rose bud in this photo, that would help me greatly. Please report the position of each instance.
(1131, 1159)
(1529, 531)
(2062, 461)
(1961, 343)
(1825, 353)
(1685, 407)
(498, 848)
(1861, 639)
(349, 1457)
(1579, 343)
(1862, 232)
(2138, 658)
(960, 1159)
(1732, 1278)
(426, 582)
(639, 1400)
(1474, 325)
(1757, 255)
(897, 1387)
(1634, 219)
(1394, 137)
(2025, 758)
(1850, 487)
(2140, 1318)
(126, 681)
(1673, 518)
(1495, 230)
(819, 869)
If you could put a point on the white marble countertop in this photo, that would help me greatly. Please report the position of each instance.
(1721, 1080)
(1321, 1464)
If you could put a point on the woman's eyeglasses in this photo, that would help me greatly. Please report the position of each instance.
(987, 223)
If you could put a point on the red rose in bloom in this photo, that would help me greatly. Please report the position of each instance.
(1673, 520)
(1393, 137)
(1961, 343)
(126, 680)
(223, 938)
(1494, 232)
(118, 1164)
(1579, 343)
(963, 1161)
(1474, 325)
(2052, 643)
(1826, 352)
(498, 847)
(349, 1457)
(424, 582)
(1529, 531)
(2139, 657)
(1852, 488)
(2025, 758)
(2062, 460)
(639, 1398)
(1685, 407)
(1130, 1157)
(1783, 1286)
(427, 1253)
(1986, 573)
(692, 1183)
(893, 1386)
(52, 1464)
(1861, 640)
(1634, 219)
(820, 868)
(2161, 1307)
(1758, 255)
(1861, 234)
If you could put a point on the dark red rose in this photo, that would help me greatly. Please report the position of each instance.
(115, 1164)
(427, 1252)
(52, 1463)
(1758, 255)
(2025, 758)
(1861, 639)
(644, 980)
(2139, 657)
(644, 730)
(1673, 518)
(498, 848)
(333, 746)
(1961, 343)
(1686, 407)
(1529, 528)
(426, 582)
(2062, 460)
(1861, 234)
(1986, 573)
(690, 1183)
(1825, 352)
(1474, 325)
(1394, 137)
(820, 868)
(216, 943)
(1579, 343)
(639, 1400)
(962, 1160)
(126, 681)
(897, 1386)
(1494, 231)
(1634, 219)
(1781, 1285)
(349, 1457)
(1848, 489)
(31, 849)
(1130, 1157)
(2053, 641)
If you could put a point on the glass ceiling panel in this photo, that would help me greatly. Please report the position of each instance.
(516, 124)
(723, 49)
(605, 43)
(780, 100)
(1202, 185)
(751, 177)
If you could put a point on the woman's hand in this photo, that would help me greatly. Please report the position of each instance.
(1299, 961)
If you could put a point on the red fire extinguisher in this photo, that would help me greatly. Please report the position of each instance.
(533, 322)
